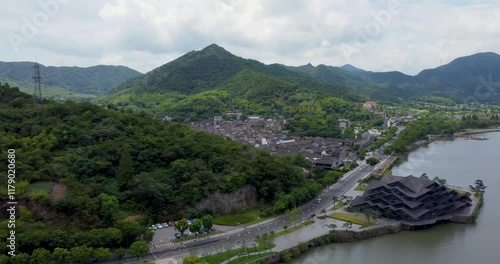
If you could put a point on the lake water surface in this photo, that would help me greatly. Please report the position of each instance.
(460, 162)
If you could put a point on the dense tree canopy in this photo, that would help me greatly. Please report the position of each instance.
(100, 165)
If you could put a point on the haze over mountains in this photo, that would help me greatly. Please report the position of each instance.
(213, 68)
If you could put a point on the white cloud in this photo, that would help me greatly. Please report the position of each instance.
(144, 34)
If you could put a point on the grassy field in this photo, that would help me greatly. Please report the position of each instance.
(361, 187)
(40, 187)
(219, 257)
(249, 259)
(248, 217)
(460, 191)
(337, 206)
(358, 219)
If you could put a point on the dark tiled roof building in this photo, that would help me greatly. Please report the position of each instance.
(411, 200)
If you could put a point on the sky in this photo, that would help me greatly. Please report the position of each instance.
(376, 35)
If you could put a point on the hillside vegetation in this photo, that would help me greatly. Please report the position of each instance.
(109, 164)
(202, 84)
(474, 78)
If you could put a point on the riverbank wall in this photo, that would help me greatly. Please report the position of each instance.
(344, 236)
(339, 236)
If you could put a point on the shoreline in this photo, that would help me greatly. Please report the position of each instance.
(344, 236)
(476, 131)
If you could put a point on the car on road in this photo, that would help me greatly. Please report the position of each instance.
(318, 201)
(177, 235)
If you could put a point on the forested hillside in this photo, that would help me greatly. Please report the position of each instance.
(82, 169)
(465, 79)
(63, 83)
(202, 84)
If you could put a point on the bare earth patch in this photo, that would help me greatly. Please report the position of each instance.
(58, 191)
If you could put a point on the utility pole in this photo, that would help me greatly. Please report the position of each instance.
(37, 94)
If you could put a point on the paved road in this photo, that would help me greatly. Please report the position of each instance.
(235, 238)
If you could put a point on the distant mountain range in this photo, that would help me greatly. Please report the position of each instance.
(470, 78)
(475, 77)
(66, 82)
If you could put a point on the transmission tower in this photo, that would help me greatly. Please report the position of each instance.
(36, 77)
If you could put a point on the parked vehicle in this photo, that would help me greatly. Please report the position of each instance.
(177, 235)
(159, 226)
(165, 225)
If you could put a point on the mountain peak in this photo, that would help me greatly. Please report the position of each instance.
(214, 47)
(350, 68)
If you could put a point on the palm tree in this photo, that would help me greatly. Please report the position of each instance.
(335, 199)
(368, 213)
(479, 186)
(332, 226)
(323, 211)
(347, 225)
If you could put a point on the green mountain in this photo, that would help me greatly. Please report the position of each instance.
(470, 78)
(66, 82)
(200, 71)
(201, 84)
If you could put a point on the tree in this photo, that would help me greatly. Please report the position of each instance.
(4, 259)
(347, 225)
(285, 227)
(125, 170)
(388, 213)
(335, 199)
(81, 254)
(323, 211)
(195, 226)
(108, 207)
(207, 222)
(372, 161)
(119, 254)
(181, 226)
(138, 249)
(102, 254)
(40, 255)
(368, 213)
(21, 258)
(61, 255)
(130, 230)
(479, 186)
(332, 226)
(439, 180)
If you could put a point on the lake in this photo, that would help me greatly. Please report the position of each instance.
(460, 162)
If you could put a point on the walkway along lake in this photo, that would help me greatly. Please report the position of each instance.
(460, 162)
